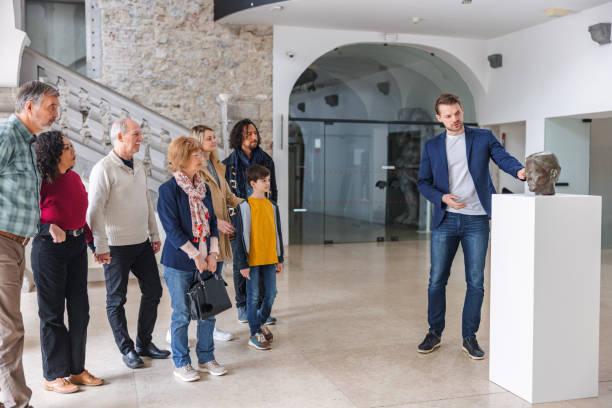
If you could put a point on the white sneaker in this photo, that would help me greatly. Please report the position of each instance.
(169, 337)
(212, 367)
(186, 373)
(221, 335)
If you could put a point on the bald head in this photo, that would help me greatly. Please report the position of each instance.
(126, 137)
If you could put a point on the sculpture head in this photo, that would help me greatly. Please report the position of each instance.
(542, 173)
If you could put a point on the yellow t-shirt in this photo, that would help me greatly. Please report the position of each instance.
(263, 233)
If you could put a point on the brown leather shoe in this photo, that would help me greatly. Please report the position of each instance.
(85, 378)
(61, 385)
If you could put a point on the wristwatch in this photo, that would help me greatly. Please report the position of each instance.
(216, 255)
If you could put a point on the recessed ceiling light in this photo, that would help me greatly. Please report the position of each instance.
(277, 8)
(556, 12)
(416, 20)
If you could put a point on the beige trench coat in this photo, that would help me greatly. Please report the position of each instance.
(222, 197)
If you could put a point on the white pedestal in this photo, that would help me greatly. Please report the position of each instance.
(545, 283)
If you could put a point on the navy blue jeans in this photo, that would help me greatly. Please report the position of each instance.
(472, 231)
(258, 315)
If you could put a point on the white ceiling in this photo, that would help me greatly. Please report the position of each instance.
(482, 19)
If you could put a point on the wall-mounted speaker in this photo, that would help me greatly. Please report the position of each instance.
(600, 33)
(384, 87)
(332, 100)
(495, 60)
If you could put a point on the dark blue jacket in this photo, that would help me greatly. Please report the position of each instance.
(242, 225)
(480, 146)
(175, 216)
(237, 163)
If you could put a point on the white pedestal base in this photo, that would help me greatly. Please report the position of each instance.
(545, 285)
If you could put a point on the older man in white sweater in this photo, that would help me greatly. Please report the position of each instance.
(126, 239)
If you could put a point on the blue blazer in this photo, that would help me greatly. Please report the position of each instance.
(175, 216)
(480, 146)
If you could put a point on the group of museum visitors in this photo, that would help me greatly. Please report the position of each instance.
(211, 211)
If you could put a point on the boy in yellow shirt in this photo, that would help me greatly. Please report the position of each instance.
(259, 252)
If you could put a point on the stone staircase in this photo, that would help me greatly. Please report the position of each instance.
(87, 111)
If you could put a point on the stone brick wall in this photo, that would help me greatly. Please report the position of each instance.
(170, 56)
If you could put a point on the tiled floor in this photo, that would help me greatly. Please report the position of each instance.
(350, 317)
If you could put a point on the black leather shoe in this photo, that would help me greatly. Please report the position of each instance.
(472, 349)
(152, 351)
(132, 360)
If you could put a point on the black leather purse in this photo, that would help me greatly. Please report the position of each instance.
(207, 297)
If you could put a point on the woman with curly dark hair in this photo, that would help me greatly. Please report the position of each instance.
(59, 263)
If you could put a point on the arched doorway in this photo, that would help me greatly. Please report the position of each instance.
(358, 118)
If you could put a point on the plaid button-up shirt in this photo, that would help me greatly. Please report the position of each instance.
(19, 180)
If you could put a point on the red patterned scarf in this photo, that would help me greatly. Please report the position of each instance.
(196, 192)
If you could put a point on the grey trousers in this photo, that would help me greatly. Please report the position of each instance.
(13, 389)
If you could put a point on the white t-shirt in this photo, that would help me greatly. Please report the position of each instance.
(460, 180)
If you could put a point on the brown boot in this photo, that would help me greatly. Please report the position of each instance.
(61, 385)
(85, 378)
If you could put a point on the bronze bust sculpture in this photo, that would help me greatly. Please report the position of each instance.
(542, 173)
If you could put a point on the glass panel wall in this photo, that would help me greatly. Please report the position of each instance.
(355, 182)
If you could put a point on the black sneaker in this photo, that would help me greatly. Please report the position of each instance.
(472, 349)
(431, 342)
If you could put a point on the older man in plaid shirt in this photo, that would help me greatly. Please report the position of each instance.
(35, 110)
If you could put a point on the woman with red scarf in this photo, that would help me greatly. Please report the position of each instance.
(192, 246)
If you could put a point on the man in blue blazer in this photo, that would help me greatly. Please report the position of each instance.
(454, 176)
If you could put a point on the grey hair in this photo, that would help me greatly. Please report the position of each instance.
(33, 91)
(119, 126)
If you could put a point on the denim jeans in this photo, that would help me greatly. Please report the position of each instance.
(219, 270)
(240, 281)
(258, 316)
(178, 283)
(472, 231)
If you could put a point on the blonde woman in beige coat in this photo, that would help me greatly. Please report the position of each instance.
(213, 174)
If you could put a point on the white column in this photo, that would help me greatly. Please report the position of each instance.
(545, 286)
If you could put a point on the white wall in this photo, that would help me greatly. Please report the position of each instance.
(467, 56)
(550, 70)
(11, 46)
(600, 181)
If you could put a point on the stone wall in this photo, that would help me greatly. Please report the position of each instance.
(170, 56)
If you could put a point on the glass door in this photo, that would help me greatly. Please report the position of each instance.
(355, 181)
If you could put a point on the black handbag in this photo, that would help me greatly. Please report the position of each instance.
(207, 297)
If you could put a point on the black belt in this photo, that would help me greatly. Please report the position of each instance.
(76, 232)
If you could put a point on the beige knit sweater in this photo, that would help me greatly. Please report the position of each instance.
(120, 210)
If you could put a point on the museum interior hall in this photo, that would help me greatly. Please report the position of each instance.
(343, 95)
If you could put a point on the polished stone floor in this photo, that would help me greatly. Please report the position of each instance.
(350, 317)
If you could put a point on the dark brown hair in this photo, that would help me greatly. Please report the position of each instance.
(447, 99)
(49, 147)
(256, 172)
(236, 137)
